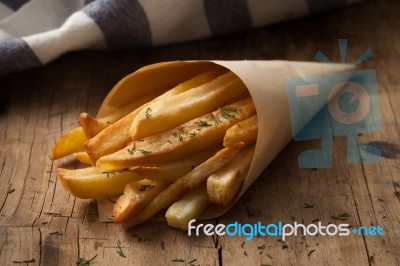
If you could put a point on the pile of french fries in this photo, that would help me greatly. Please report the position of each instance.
(179, 150)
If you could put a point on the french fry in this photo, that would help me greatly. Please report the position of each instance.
(83, 157)
(167, 113)
(92, 183)
(225, 183)
(245, 131)
(136, 196)
(70, 142)
(117, 136)
(189, 181)
(177, 143)
(187, 208)
(171, 171)
(90, 125)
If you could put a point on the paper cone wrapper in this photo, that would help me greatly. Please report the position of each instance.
(266, 82)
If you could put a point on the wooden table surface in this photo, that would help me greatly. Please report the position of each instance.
(38, 106)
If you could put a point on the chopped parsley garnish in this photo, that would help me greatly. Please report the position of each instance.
(143, 239)
(144, 151)
(192, 134)
(228, 112)
(148, 111)
(24, 261)
(130, 151)
(84, 262)
(308, 206)
(144, 187)
(341, 217)
(203, 123)
(119, 249)
(10, 190)
(178, 260)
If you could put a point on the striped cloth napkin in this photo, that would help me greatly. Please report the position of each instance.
(34, 32)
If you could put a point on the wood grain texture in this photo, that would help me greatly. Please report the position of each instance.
(39, 220)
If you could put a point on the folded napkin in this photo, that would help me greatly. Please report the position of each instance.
(34, 32)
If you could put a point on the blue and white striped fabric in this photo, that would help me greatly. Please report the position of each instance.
(34, 32)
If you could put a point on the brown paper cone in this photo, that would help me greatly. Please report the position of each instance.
(266, 81)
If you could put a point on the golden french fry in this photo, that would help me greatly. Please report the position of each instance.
(170, 171)
(70, 142)
(186, 139)
(167, 113)
(136, 196)
(189, 181)
(90, 125)
(187, 208)
(83, 157)
(225, 183)
(90, 183)
(117, 135)
(245, 131)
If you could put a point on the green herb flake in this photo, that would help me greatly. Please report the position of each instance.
(242, 245)
(119, 249)
(371, 259)
(308, 206)
(57, 233)
(169, 141)
(144, 151)
(180, 138)
(130, 151)
(341, 217)
(84, 262)
(315, 220)
(178, 260)
(192, 134)
(144, 187)
(228, 112)
(10, 190)
(181, 129)
(148, 111)
(24, 261)
(143, 239)
(396, 184)
(244, 252)
(190, 262)
(203, 123)
(311, 252)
